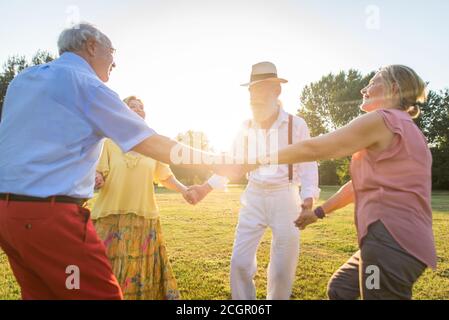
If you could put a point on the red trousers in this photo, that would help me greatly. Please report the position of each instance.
(54, 252)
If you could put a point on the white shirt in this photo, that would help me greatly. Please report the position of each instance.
(259, 141)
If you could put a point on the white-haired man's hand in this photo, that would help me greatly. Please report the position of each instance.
(198, 192)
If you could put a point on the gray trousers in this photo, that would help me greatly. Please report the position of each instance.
(380, 270)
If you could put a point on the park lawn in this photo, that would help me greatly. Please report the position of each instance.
(199, 240)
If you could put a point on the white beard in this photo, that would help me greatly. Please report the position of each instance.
(262, 113)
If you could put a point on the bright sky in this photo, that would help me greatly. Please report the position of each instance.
(186, 59)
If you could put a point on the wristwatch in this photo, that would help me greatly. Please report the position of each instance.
(319, 212)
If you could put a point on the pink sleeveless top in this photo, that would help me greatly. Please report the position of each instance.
(394, 186)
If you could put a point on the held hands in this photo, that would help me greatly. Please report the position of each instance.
(188, 197)
(196, 193)
(307, 216)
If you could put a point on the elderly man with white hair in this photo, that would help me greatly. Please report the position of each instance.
(55, 117)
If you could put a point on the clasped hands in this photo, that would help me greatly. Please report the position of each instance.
(306, 216)
(194, 194)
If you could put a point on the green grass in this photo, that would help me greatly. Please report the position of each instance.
(200, 238)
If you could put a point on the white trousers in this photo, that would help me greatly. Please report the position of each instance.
(276, 207)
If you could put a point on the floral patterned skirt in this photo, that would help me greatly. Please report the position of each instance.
(136, 248)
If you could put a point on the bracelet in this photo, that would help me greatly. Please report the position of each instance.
(319, 212)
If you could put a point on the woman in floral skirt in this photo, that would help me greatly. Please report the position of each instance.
(126, 218)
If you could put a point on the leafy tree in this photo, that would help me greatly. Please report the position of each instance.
(333, 101)
(196, 140)
(434, 118)
(434, 122)
(328, 173)
(329, 104)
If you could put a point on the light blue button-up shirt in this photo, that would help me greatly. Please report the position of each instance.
(55, 117)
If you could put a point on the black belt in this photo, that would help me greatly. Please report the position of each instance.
(64, 199)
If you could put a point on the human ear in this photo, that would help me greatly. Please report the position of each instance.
(91, 47)
(394, 88)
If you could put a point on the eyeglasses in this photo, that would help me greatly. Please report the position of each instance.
(112, 50)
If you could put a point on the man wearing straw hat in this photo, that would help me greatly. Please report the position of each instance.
(272, 198)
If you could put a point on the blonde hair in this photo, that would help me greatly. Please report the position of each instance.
(131, 98)
(411, 88)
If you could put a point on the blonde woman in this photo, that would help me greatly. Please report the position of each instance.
(126, 218)
(390, 186)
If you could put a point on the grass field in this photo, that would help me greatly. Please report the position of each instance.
(200, 239)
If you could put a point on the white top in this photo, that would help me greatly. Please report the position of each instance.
(260, 142)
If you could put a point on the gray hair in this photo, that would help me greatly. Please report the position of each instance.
(73, 39)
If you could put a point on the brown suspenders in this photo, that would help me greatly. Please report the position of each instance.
(290, 141)
(250, 124)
